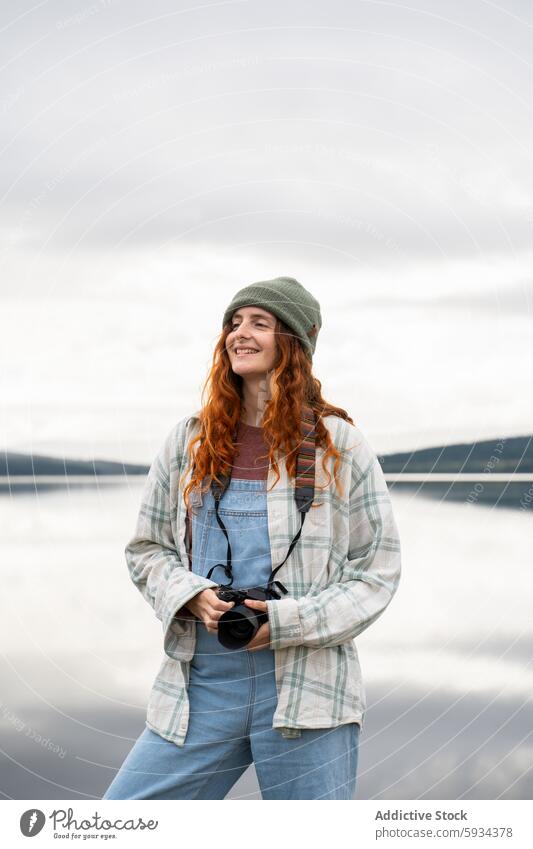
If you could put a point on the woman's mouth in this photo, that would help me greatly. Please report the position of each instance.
(245, 352)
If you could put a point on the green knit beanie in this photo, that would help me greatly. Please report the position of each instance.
(288, 300)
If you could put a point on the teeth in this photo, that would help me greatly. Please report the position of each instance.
(246, 351)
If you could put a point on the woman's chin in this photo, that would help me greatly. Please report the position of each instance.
(247, 369)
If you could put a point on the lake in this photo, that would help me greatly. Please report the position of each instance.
(448, 668)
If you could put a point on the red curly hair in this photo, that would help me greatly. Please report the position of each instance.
(293, 385)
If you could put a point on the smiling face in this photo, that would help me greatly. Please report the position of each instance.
(252, 328)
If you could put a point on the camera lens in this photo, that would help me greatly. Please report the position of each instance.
(240, 628)
(237, 627)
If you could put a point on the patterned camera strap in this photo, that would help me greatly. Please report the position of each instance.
(304, 492)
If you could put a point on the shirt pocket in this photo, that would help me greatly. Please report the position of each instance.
(240, 524)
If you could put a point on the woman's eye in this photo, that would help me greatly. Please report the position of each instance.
(259, 324)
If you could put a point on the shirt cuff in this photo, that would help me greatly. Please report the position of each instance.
(174, 621)
(284, 623)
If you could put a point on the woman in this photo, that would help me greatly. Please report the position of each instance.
(291, 699)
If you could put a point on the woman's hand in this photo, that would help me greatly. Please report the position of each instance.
(208, 607)
(262, 638)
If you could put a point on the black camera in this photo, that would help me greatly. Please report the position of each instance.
(238, 626)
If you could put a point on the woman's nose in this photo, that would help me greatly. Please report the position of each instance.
(242, 333)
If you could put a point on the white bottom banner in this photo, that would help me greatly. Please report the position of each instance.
(351, 823)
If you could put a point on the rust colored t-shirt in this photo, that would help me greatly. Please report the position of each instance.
(248, 463)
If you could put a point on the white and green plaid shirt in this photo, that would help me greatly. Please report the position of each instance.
(340, 577)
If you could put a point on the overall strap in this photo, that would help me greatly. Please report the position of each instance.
(304, 492)
(218, 490)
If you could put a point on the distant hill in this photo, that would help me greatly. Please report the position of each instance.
(513, 454)
(13, 465)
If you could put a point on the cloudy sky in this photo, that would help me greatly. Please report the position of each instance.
(156, 159)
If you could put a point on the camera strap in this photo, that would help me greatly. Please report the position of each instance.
(304, 494)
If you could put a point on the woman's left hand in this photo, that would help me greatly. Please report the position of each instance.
(262, 638)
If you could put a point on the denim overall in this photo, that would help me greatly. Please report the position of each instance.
(232, 692)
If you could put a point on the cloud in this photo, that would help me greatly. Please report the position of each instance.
(377, 141)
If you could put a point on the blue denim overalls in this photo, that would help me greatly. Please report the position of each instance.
(232, 692)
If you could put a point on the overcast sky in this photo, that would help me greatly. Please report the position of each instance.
(154, 160)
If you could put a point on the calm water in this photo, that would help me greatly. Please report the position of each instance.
(448, 669)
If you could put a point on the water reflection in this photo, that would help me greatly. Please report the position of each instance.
(448, 668)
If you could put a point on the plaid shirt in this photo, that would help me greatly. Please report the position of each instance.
(340, 577)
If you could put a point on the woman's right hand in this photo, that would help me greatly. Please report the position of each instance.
(208, 607)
